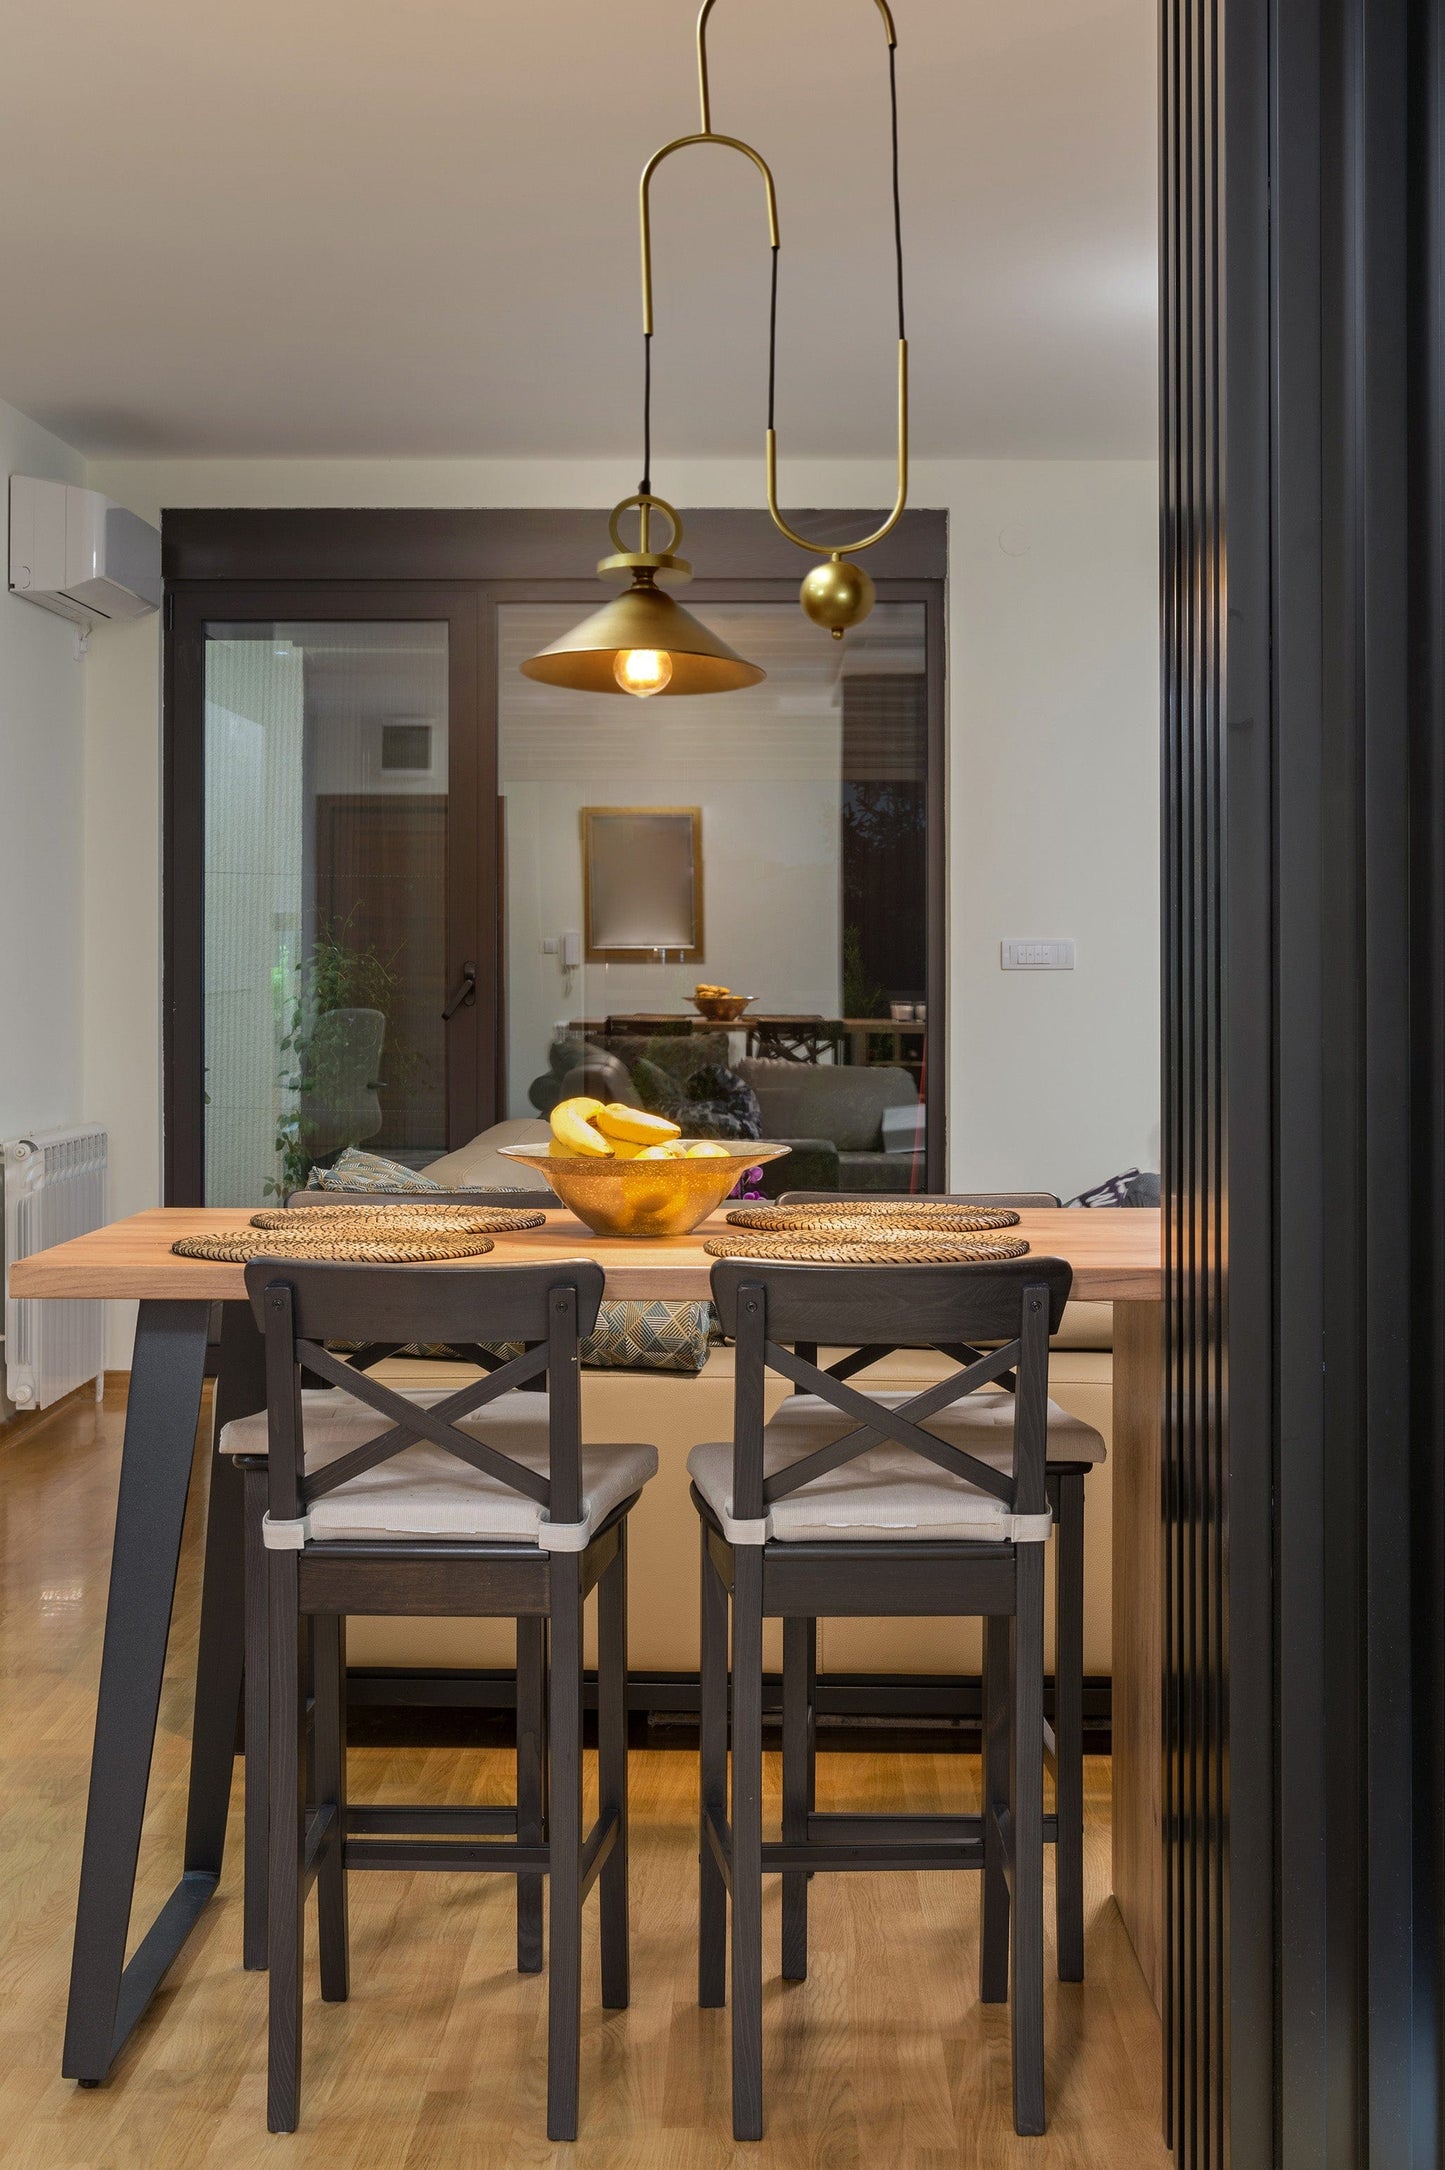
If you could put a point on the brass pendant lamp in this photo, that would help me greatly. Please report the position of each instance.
(644, 643)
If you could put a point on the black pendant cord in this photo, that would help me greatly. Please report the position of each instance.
(646, 484)
(897, 243)
(897, 192)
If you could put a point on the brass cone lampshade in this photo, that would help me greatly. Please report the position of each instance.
(643, 643)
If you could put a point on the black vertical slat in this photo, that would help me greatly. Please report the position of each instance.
(1425, 276)
(1304, 1078)
(1380, 43)
(1216, 1106)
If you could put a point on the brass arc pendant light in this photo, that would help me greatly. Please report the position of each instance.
(642, 642)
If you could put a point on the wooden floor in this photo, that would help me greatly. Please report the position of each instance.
(884, 2054)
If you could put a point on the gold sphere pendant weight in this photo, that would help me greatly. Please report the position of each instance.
(837, 595)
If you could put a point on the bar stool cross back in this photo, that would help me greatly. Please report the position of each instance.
(482, 1501)
(884, 1517)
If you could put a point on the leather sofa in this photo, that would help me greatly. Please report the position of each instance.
(833, 1113)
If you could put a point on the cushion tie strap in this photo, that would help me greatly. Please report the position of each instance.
(285, 1535)
(292, 1534)
(1019, 1529)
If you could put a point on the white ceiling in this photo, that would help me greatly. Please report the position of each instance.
(408, 227)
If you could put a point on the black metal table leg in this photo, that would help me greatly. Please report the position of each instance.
(220, 1647)
(107, 1997)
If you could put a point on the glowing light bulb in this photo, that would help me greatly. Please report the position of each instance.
(643, 671)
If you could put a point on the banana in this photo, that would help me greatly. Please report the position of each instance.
(634, 1125)
(708, 1149)
(572, 1126)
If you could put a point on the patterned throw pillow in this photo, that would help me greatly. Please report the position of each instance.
(660, 1335)
(355, 1170)
(1113, 1193)
(714, 1102)
(655, 1336)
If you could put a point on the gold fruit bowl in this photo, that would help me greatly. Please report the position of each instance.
(644, 1197)
(722, 1009)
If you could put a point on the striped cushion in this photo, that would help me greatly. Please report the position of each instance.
(355, 1170)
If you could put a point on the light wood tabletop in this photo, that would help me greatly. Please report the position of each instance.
(1114, 1254)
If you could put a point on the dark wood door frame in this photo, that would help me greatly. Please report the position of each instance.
(471, 844)
(315, 563)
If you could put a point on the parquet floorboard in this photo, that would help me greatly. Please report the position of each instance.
(884, 2055)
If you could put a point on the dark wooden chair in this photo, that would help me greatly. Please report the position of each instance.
(257, 1722)
(1072, 1450)
(498, 1510)
(798, 1039)
(938, 1522)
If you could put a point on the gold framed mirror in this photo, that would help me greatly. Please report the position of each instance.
(642, 884)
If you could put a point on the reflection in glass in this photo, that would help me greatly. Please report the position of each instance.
(811, 791)
(325, 872)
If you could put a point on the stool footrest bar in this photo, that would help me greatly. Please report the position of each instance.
(874, 1858)
(406, 1819)
(444, 1854)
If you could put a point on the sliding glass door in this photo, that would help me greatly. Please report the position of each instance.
(339, 978)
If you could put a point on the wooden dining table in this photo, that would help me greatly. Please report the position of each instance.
(1115, 1256)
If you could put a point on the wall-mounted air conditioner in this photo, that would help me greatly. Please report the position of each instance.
(75, 552)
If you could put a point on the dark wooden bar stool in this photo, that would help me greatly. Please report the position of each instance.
(481, 1502)
(887, 1517)
(1072, 1449)
(257, 1723)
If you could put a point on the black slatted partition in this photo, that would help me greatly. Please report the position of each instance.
(1304, 1087)
(1218, 1224)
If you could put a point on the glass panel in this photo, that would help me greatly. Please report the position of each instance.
(325, 899)
(810, 795)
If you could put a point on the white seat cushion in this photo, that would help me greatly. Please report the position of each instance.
(425, 1492)
(982, 1424)
(889, 1491)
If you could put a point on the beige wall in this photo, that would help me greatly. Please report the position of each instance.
(42, 834)
(42, 825)
(1053, 785)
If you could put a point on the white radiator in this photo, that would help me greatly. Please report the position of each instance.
(54, 1189)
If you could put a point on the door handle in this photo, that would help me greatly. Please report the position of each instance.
(463, 994)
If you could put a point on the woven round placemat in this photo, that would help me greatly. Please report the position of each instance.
(380, 1247)
(869, 1247)
(458, 1220)
(865, 1214)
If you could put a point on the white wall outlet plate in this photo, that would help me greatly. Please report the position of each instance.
(1036, 956)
